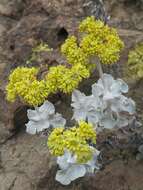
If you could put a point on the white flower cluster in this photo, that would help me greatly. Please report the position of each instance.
(107, 107)
(43, 117)
(71, 170)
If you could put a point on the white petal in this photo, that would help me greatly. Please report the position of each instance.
(108, 122)
(108, 96)
(29, 129)
(33, 115)
(106, 81)
(94, 117)
(115, 89)
(76, 171)
(79, 115)
(115, 105)
(61, 176)
(69, 169)
(47, 108)
(41, 112)
(97, 89)
(77, 96)
(57, 120)
(33, 127)
(123, 86)
(42, 117)
(65, 177)
(127, 105)
(118, 87)
(93, 163)
(122, 122)
(62, 160)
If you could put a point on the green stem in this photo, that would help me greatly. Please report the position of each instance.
(99, 68)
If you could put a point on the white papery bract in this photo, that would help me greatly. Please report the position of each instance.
(85, 107)
(71, 170)
(43, 117)
(107, 107)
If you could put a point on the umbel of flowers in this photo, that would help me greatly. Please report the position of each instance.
(96, 39)
(106, 107)
(74, 147)
(76, 156)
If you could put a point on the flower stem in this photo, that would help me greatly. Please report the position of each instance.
(99, 68)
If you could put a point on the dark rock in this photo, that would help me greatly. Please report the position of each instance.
(125, 14)
(25, 163)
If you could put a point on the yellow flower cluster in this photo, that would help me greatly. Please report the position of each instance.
(66, 79)
(75, 139)
(135, 63)
(23, 83)
(73, 53)
(100, 40)
(97, 40)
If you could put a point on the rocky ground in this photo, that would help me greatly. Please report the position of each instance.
(25, 163)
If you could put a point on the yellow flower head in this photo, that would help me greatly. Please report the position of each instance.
(100, 40)
(56, 142)
(75, 139)
(97, 39)
(73, 53)
(54, 76)
(23, 83)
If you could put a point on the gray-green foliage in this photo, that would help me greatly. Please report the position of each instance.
(107, 107)
(36, 52)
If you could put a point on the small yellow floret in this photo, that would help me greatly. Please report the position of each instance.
(86, 131)
(54, 76)
(61, 78)
(73, 53)
(56, 142)
(75, 140)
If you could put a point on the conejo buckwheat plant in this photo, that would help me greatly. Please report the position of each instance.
(97, 39)
(107, 106)
(76, 156)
